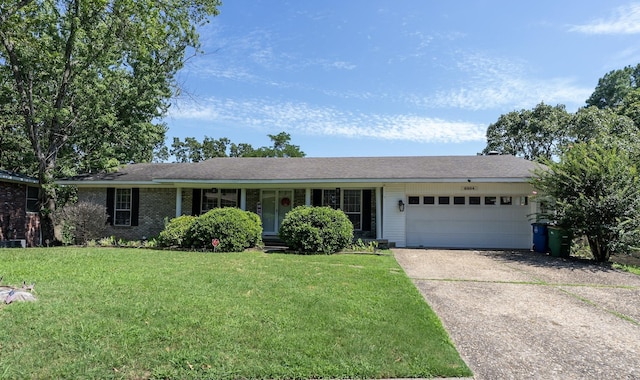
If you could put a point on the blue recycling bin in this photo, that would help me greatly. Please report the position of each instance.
(540, 237)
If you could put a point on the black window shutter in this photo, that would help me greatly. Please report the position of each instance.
(366, 210)
(317, 197)
(111, 198)
(196, 199)
(135, 205)
(238, 198)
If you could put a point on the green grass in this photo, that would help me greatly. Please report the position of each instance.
(627, 268)
(127, 313)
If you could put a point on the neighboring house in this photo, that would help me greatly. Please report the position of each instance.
(451, 201)
(19, 214)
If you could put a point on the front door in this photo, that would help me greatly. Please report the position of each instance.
(275, 205)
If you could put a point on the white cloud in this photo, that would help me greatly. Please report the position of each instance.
(329, 121)
(341, 65)
(495, 83)
(625, 20)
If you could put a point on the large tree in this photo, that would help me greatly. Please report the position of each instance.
(532, 134)
(614, 87)
(192, 150)
(83, 81)
(594, 190)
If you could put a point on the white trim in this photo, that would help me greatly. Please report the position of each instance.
(116, 209)
(178, 201)
(378, 212)
(243, 198)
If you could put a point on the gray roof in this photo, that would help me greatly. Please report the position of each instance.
(344, 169)
(8, 176)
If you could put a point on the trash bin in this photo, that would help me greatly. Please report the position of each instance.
(559, 241)
(540, 237)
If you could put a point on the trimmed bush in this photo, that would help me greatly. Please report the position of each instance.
(307, 229)
(175, 231)
(235, 230)
(82, 222)
(257, 229)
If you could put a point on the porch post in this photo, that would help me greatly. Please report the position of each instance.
(378, 212)
(307, 196)
(243, 199)
(178, 202)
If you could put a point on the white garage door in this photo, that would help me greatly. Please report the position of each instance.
(468, 222)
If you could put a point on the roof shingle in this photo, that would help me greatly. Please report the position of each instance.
(306, 169)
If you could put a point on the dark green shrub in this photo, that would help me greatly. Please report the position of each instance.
(257, 229)
(308, 229)
(235, 230)
(175, 231)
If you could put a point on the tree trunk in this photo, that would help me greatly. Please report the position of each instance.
(599, 248)
(47, 200)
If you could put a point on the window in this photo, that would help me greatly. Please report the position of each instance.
(429, 200)
(443, 200)
(331, 198)
(209, 200)
(32, 199)
(414, 200)
(506, 200)
(490, 200)
(458, 200)
(352, 206)
(229, 198)
(122, 207)
(474, 200)
(523, 201)
(214, 198)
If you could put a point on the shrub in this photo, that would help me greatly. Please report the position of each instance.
(235, 229)
(82, 222)
(175, 231)
(257, 229)
(308, 229)
(595, 192)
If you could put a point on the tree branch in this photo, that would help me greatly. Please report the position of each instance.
(58, 137)
(10, 12)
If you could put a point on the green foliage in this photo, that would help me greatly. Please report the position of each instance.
(308, 229)
(84, 82)
(235, 230)
(175, 231)
(361, 246)
(280, 148)
(191, 150)
(595, 191)
(532, 134)
(628, 268)
(614, 87)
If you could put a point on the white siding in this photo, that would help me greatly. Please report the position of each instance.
(469, 226)
(394, 221)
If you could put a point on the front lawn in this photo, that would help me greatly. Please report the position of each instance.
(136, 314)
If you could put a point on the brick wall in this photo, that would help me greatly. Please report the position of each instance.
(253, 197)
(155, 206)
(15, 221)
(299, 197)
(158, 204)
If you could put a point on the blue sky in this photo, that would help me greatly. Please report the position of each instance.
(403, 78)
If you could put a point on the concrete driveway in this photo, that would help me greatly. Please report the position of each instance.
(525, 315)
